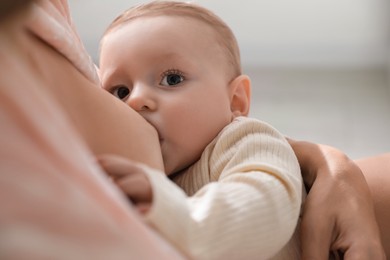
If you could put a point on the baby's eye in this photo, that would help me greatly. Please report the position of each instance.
(171, 78)
(121, 92)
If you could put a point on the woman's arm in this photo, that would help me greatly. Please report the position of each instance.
(338, 214)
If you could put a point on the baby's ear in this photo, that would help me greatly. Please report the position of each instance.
(240, 95)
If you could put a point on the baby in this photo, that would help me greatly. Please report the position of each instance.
(178, 65)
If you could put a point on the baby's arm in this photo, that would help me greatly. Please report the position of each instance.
(250, 210)
(338, 213)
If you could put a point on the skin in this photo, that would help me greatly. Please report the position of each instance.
(331, 175)
(377, 173)
(141, 63)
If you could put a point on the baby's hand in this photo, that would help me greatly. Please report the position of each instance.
(130, 178)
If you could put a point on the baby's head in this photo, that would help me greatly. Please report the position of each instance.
(178, 65)
(223, 35)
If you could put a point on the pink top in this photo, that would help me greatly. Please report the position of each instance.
(55, 201)
(51, 21)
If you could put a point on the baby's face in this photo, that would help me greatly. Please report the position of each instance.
(172, 71)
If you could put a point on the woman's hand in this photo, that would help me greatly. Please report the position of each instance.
(131, 178)
(338, 214)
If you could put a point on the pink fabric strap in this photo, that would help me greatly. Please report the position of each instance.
(51, 22)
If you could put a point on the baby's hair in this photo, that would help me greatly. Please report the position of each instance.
(224, 34)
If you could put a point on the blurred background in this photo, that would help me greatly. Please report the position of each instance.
(320, 69)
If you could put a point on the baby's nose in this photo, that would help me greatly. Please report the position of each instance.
(141, 99)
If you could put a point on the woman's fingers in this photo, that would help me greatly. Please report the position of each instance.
(338, 214)
(316, 231)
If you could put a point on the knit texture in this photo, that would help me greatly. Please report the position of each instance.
(241, 200)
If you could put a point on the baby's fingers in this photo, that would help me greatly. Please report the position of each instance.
(129, 176)
(117, 166)
(137, 187)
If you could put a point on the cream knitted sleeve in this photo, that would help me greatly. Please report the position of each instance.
(250, 208)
